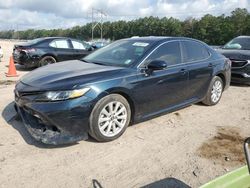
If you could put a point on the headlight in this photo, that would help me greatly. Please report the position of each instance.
(61, 95)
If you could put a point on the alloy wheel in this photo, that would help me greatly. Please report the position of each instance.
(112, 119)
(216, 91)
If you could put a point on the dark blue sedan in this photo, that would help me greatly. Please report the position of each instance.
(128, 81)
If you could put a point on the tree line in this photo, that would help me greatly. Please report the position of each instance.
(211, 29)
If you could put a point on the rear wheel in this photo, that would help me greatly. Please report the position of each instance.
(214, 92)
(47, 60)
(110, 118)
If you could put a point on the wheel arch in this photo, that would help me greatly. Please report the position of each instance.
(124, 93)
(130, 101)
(52, 55)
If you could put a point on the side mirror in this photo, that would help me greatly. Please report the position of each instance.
(91, 48)
(157, 65)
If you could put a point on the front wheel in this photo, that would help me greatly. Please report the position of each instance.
(214, 92)
(110, 118)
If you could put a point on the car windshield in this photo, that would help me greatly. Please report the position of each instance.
(120, 53)
(238, 43)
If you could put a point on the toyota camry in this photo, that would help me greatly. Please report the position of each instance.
(128, 81)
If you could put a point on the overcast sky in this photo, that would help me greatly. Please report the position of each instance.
(39, 14)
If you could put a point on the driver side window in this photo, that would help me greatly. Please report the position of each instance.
(168, 52)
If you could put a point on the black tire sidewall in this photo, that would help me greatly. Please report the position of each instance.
(93, 122)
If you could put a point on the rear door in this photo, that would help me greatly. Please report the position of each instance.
(200, 67)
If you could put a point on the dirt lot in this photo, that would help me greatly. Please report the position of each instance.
(187, 147)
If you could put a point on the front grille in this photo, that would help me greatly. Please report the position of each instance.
(237, 76)
(21, 94)
(238, 63)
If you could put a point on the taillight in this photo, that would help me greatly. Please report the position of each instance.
(28, 49)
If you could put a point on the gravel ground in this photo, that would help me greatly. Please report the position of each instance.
(7, 47)
(187, 147)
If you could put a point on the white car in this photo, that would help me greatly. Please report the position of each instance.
(1, 53)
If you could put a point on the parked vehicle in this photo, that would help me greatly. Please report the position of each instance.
(99, 44)
(43, 51)
(1, 54)
(130, 80)
(215, 47)
(238, 51)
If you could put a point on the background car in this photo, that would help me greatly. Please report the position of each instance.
(43, 51)
(99, 44)
(238, 51)
(130, 80)
(1, 53)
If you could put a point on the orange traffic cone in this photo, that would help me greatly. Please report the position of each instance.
(12, 68)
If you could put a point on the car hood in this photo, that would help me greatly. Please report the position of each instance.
(235, 54)
(67, 75)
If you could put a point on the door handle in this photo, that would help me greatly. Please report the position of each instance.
(183, 71)
(210, 65)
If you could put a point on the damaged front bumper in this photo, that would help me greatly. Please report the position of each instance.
(56, 123)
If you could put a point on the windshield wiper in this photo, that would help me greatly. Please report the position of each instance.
(97, 63)
(92, 62)
(85, 61)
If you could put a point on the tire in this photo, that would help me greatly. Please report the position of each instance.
(109, 126)
(46, 61)
(214, 92)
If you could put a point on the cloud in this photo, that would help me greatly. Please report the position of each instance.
(64, 13)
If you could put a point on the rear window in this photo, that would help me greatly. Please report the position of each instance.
(31, 42)
(194, 51)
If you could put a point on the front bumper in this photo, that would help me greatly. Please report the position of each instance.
(241, 74)
(61, 122)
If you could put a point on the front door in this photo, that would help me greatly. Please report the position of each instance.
(162, 89)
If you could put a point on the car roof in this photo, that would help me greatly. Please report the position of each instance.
(243, 36)
(54, 38)
(42, 39)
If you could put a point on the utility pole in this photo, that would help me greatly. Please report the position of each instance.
(97, 16)
(92, 21)
(17, 31)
